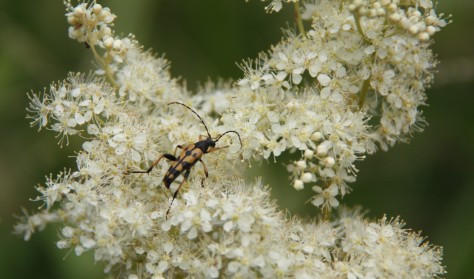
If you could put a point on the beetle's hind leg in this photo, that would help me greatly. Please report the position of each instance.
(171, 157)
(167, 156)
(185, 177)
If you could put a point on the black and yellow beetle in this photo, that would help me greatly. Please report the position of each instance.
(190, 155)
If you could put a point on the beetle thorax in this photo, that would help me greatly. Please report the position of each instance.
(205, 144)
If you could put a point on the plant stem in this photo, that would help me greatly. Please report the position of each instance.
(363, 92)
(298, 19)
(359, 28)
(326, 214)
(104, 65)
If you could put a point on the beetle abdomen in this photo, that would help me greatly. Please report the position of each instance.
(186, 159)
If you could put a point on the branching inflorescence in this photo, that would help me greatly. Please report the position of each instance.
(352, 80)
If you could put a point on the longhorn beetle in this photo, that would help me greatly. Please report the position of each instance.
(189, 156)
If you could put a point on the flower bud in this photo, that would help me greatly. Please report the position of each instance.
(316, 136)
(308, 153)
(323, 148)
(117, 45)
(423, 36)
(298, 185)
(79, 11)
(307, 177)
(431, 30)
(97, 8)
(329, 161)
(301, 164)
(108, 43)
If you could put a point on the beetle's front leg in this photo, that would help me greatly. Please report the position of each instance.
(212, 149)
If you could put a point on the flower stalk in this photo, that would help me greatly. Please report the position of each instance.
(299, 19)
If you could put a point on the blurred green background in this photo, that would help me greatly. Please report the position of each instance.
(429, 182)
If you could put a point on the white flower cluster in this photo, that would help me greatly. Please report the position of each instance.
(370, 247)
(328, 135)
(89, 23)
(312, 95)
(73, 104)
(419, 20)
(315, 93)
(228, 231)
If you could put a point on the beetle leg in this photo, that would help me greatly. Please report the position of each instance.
(212, 149)
(167, 156)
(185, 177)
(205, 172)
(176, 149)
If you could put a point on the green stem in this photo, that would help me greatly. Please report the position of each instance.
(326, 214)
(299, 20)
(105, 66)
(359, 28)
(363, 92)
(366, 84)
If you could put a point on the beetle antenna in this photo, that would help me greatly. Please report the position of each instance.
(202, 121)
(235, 132)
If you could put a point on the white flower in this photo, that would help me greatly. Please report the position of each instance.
(326, 198)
